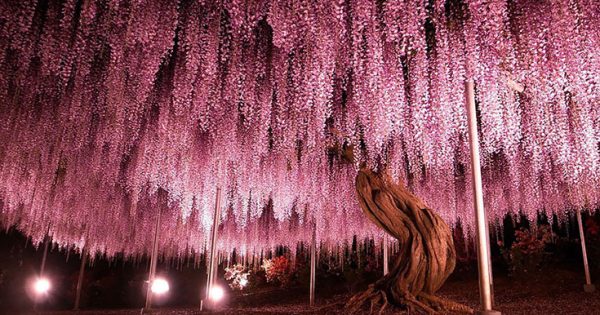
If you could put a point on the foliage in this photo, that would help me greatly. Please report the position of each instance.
(372, 264)
(278, 270)
(238, 276)
(528, 251)
(592, 229)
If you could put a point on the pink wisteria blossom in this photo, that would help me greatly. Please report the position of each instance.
(112, 111)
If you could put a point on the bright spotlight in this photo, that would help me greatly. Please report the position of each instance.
(159, 286)
(216, 293)
(41, 286)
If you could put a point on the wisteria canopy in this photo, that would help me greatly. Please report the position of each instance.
(112, 111)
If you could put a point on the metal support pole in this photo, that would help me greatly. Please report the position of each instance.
(80, 278)
(483, 254)
(213, 245)
(43, 266)
(385, 255)
(588, 286)
(153, 263)
(313, 265)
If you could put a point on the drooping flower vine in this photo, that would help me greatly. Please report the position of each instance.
(115, 111)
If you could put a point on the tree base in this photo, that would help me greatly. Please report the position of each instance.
(378, 300)
(427, 256)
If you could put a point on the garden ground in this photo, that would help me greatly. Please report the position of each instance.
(550, 291)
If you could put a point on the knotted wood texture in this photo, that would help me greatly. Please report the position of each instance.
(427, 255)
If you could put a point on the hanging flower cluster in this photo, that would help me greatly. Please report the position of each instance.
(113, 111)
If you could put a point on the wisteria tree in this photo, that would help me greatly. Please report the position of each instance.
(106, 103)
(427, 254)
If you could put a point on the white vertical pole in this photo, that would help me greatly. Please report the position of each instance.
(153, 260)
(588, 286)
(80, 278)
(483, 254)
(385, 255)
(43, 266)
(343, 256)
(213, 245)
(313, 265)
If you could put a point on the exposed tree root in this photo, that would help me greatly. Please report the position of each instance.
(427, 255)
(423, 303)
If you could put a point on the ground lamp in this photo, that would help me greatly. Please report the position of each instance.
(159, 286)
(41, 286)
(216, 293)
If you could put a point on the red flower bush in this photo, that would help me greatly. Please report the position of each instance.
(592, 227)
(527, 252)
(278, 270)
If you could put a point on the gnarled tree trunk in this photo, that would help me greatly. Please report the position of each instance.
(427, 255)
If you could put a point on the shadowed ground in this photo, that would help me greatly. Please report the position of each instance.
(549, 292)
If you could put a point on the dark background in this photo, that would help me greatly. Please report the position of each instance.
(114, 283)
(119, 283)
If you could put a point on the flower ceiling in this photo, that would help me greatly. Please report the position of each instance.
(114, 110)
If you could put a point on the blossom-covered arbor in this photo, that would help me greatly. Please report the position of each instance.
(105, 103)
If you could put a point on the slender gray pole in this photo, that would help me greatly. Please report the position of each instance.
(483, 255)
(313, 265)
(385, 255)
(213, 245)
(43, 266)
(153, 263)
(80, 278)
(588, 286)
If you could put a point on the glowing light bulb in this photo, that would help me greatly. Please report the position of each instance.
(41, 286)
(216, 293)
(159, 286)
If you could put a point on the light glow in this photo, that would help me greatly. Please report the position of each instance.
(41, 286)
(216, 293)
(160, 286)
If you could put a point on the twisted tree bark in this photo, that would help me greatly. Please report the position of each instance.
(427, 255)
